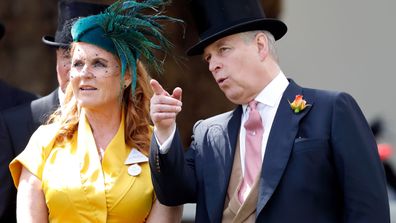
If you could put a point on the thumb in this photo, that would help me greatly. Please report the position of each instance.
(157, 88)
(177, 94)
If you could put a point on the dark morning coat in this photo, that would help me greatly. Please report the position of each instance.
(320, 166)
(12, 96)
(16, 126)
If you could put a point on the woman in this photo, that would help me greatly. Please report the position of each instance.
(90, 164)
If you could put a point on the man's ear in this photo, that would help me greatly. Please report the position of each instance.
(262, 45)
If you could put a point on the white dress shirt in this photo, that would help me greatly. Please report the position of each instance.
(269, 99)
(61, 96)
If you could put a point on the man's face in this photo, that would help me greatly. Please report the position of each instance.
(236, 65)
(63, 62)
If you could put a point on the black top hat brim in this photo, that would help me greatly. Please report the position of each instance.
(50, 41)
(68, 12)
(276, 27)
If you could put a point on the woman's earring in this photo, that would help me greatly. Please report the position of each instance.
(125, 86)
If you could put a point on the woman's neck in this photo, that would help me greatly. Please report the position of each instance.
(104, 125)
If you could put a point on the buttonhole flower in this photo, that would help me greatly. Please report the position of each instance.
(298, 104)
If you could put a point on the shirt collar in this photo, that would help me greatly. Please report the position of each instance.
(61, 96)
(272, 93)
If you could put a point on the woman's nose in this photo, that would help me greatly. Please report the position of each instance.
(85, 72)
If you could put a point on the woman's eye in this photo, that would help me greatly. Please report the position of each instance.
(77, 64)
(99, 64)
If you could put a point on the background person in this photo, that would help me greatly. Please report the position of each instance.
(385, 151)
(12, 96)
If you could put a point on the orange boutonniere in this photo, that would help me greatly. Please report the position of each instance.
(298, 104)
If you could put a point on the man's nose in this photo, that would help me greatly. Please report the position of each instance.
(214, 65)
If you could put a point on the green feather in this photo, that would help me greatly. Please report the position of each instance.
(136, 35)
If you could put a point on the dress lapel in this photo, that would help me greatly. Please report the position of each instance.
(91, 173)
(219, 146)
(115, 170)
(280, 143)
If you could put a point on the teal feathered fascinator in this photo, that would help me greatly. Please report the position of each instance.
(124, 30)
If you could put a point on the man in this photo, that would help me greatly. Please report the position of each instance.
(12, 96)
(285, 154)
(19, 123)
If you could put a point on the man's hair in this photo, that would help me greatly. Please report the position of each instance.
(250, 35)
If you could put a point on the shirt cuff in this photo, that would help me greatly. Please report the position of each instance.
(164, 148)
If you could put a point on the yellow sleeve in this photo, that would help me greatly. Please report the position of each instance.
(33, 157)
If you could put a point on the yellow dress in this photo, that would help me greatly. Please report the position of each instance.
(77, 187)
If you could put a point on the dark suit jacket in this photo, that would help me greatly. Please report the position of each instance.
(321, 165)
(12, 96)
(16, 126)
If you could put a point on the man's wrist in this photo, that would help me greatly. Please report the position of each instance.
(165, 144)
(163, 134)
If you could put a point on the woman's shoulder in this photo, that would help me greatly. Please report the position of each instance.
(45, 134)
(34, 155)
(47, 128)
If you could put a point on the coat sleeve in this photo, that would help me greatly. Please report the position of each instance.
(173, 173)
(359, 168)
(7, 188)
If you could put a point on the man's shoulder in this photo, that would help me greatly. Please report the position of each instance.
(329, 100)
(220, 120)
(17, 111)
(28, 111)
(324, 95)
(317, 92)
(47, 101)
(13, 96)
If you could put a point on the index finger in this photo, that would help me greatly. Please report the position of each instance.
(157, 88)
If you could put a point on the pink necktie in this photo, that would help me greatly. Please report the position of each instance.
(254, 135)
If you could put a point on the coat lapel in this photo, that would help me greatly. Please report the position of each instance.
(42, 108)
(219, 146)
(280, 143)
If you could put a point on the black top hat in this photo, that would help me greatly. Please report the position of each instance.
(68, 10)
(2, 30)
(216, 19)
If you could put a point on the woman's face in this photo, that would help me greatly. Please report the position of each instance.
(95, 77)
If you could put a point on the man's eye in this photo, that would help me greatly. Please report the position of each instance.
(223, 49)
